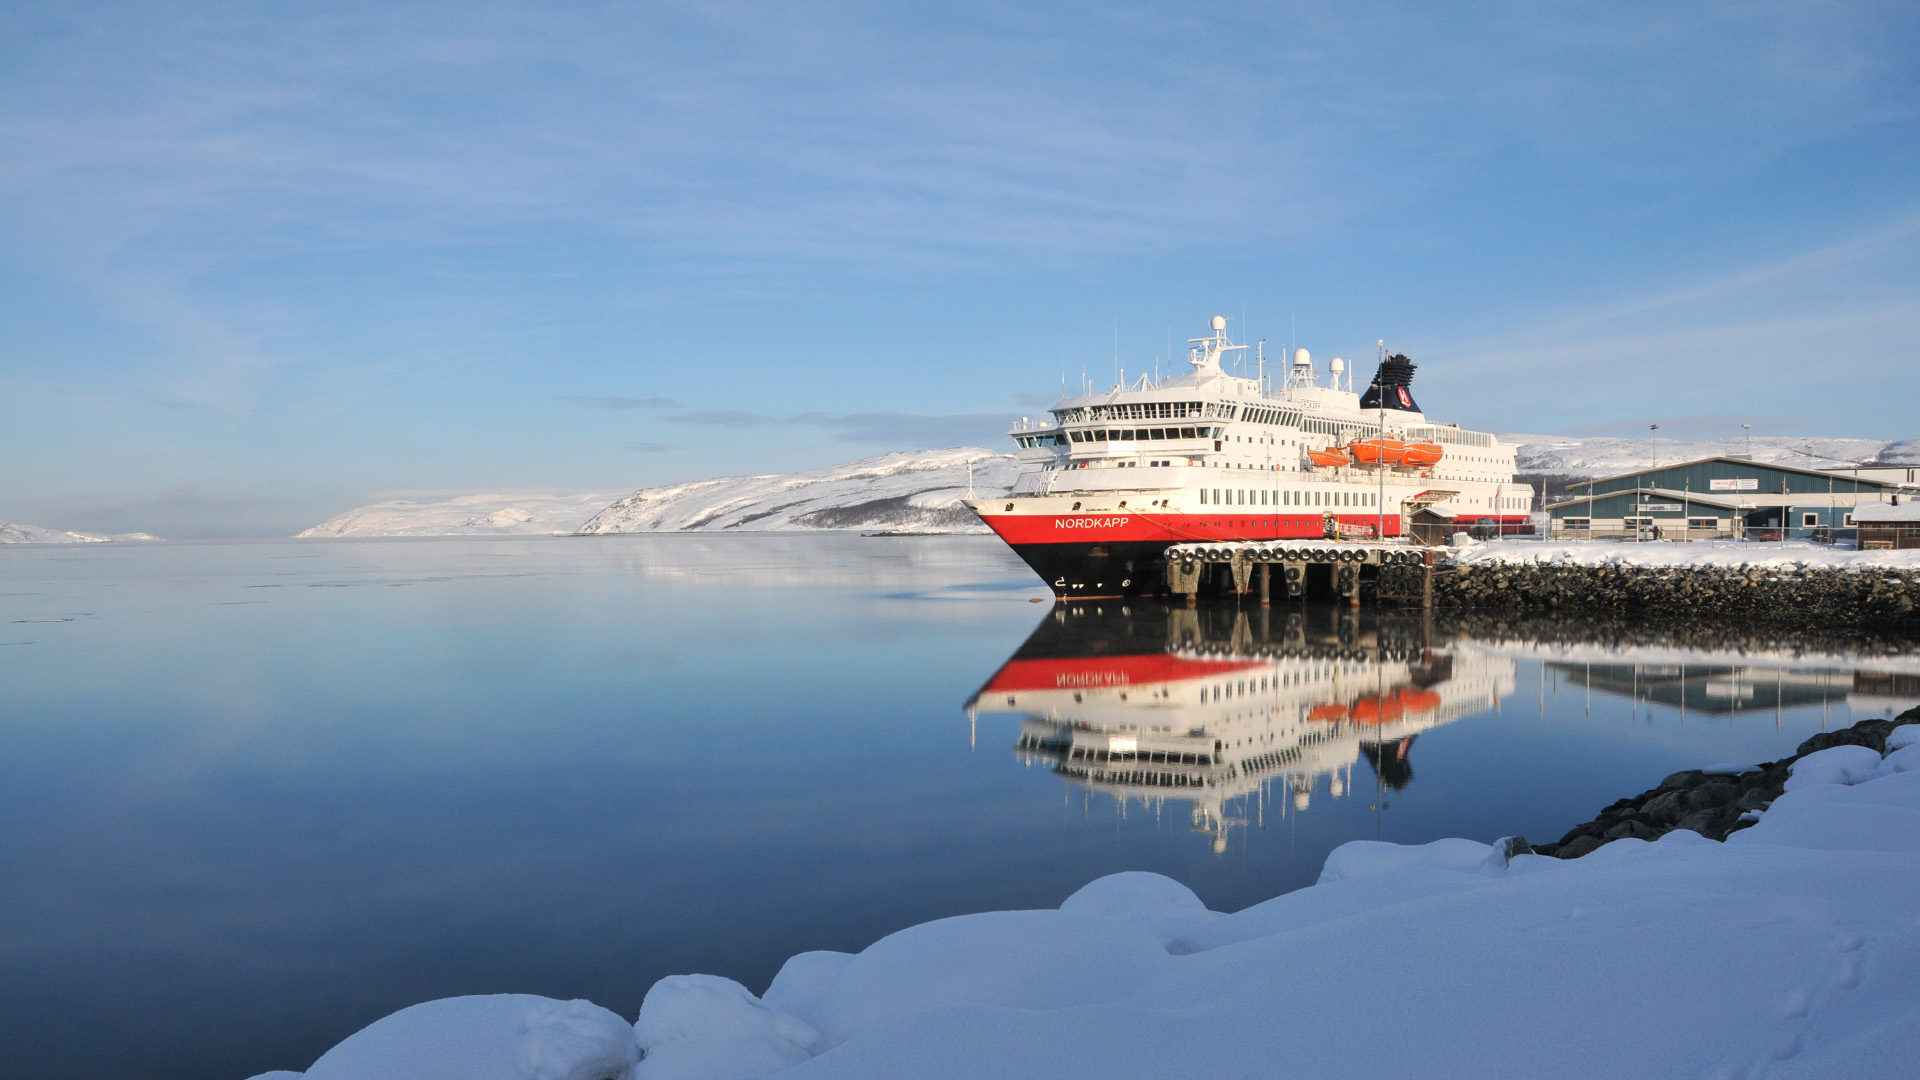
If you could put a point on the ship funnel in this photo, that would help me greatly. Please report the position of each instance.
(1219, 323)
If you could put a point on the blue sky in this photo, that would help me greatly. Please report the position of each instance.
(261, 263)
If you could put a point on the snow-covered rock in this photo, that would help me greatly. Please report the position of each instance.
(1159, 905)
(486, 1037)
(703, 1027)
(34, 534)
(918, 491)
(468, 513)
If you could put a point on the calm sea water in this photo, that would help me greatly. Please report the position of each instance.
(254, 796)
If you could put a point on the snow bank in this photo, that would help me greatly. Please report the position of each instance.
(1786, 555)
(1788, 951)
(468, 513)
(919, 491)
(703, 1027)
(491, 1037)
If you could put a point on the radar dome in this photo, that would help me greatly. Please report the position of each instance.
(1337, 366)
(1301, 358)
(1302, 799)
(1219, 322)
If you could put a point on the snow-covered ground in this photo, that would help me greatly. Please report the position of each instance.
(1566, 455)
(34, 534)
(917, 491)
(1791, 950)
(1785, 555)
(469, 513)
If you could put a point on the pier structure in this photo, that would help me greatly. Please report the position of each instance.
(1317, 569)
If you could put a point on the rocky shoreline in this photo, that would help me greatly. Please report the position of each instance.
(1715, 804)
(1878, 597)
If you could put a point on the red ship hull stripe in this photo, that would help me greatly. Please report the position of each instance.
(1179, 528)
(1094, 672)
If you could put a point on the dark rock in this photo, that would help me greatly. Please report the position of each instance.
(1712, 794)
(1667, 808)
(1683, 779)
(1844, 737)
(1634, 830)
(1700, 821)
(1579, 847)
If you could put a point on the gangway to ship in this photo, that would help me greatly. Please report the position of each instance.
(1251, 562)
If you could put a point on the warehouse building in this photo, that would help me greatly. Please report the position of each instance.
(1729, 497)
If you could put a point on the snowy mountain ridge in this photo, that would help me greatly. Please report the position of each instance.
(1605, 456)
(908, 491)
(34, 534)
(511, 512)
(920, 490)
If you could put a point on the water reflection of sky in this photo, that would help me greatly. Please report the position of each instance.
(253, 796)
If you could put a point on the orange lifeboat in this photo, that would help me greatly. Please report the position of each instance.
(1327, 714)
(1379, 451)
(1419, 701)
(1384, 709)
(1423, 454)
(1331, 458)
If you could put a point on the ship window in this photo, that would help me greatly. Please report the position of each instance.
(1186, 433)
(1157, 433)
(1216, 496)
(1100, 436)
(1074, 435)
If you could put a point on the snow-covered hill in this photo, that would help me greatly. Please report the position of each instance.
(916, 491)
(34, 534)
(469, 513)
(1565, 455)
(920, 490)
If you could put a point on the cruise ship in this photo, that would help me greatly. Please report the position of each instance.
(1113, 478)
(1213, 708)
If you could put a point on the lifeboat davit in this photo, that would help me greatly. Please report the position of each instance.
(1423, 454)
(1331, 458)
(1378, 451)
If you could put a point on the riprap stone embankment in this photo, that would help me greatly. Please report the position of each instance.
(1852, 596)
(1712, 802)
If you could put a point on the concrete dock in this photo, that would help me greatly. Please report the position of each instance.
(1309, 569)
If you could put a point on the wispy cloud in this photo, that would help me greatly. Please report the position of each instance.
(619, 402)
(898, 429)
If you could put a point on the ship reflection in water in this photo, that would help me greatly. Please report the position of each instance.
(1220, 708)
